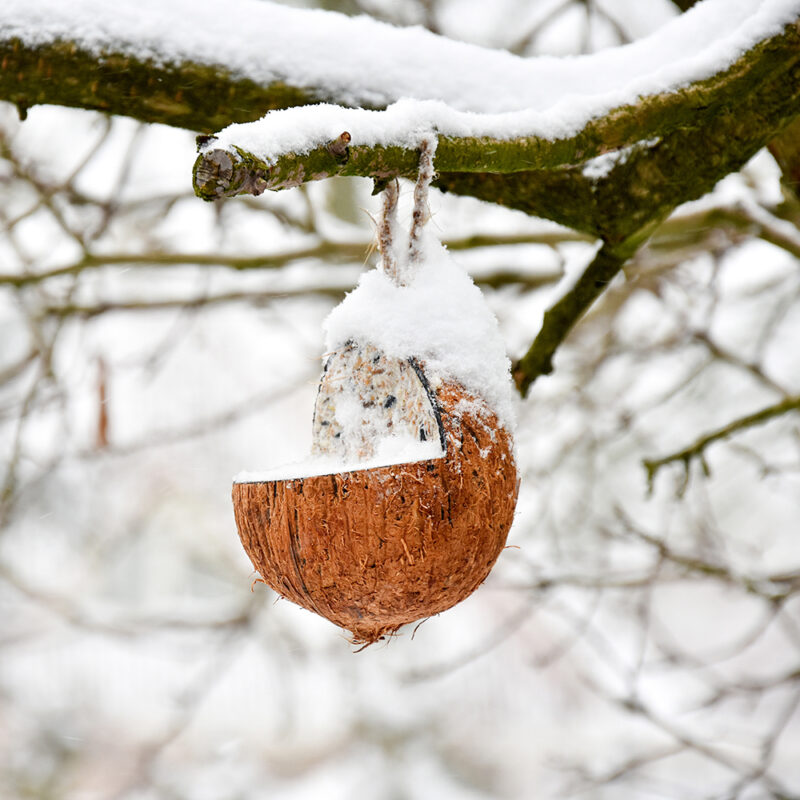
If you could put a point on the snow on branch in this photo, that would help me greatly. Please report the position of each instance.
(190, 55)
(607, 144)
(362, 63)
(616, 178)
(185, 63)
(290, 147)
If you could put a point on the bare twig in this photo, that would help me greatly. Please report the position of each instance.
(562, 316)
(696, 450)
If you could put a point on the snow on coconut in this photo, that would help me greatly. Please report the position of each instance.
(409, 494)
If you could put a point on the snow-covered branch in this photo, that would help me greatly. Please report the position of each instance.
(187, 64)
(134, 46)
(606, 144)
(609, 175)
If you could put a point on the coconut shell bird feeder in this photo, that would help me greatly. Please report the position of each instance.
(373, 545)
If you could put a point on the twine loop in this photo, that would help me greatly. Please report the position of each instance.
(402, 266)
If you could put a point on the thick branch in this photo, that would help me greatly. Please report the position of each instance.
(186, 95)
(176, 80)
(235, 63)
(684, 164)
(680, 144)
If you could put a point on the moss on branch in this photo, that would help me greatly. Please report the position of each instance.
(722, 120)
(200, 97)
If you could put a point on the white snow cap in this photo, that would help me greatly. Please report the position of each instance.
(441, 318)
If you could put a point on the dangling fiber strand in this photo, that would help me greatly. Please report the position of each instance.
(401, 268)
(421, 212)
(386, 232)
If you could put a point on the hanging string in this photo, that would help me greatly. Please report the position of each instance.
(387, 228)
(401, 267)
(421, 212)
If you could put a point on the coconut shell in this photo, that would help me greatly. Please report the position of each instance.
(374, 549)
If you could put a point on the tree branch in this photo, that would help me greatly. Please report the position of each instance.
(494, 280)
(560, 318)
(669, 148)
(174, 80)
(339, 252)
(698, 448)
(684, 164)
(188, 94)
(785, 148)
(611, 173)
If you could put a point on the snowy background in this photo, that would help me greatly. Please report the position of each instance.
(628, 644)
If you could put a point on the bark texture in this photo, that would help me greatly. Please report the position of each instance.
(200, 97)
